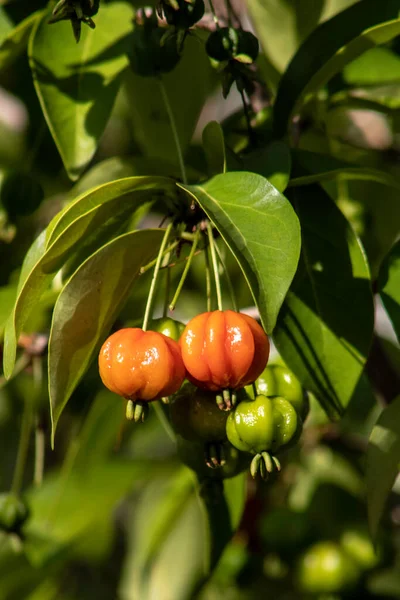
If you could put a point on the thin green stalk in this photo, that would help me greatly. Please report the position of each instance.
(214, 13)
(228, 279)
(208, 279)
(167, 285)
(155, 276)
(165, 253)
(37, 366)
(185, 271)
(215, 265)
(23, 447)
(228, 12)
(247, 116)
(174, 130)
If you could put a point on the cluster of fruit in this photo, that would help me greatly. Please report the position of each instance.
(232, 398)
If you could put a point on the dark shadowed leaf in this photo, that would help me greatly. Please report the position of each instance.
(325, 326)
(261, 229)
(272, 162)
(16, 41)
(389, 285)
(214, 148)
(383, 462)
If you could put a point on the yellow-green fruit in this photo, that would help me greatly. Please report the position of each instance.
(167, 326)
(278, 380)
(325, 568)
(357, 544)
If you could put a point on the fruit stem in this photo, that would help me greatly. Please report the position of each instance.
(215, 265)
(208, 279)
(214, 13)
(174, 129)
(155, 276)
(228, 279)
(153, 262)
(37, 368)
(167, 284)
(23, 447)
(185, 271)
(247, 116)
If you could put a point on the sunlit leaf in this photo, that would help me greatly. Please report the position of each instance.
(261, 229)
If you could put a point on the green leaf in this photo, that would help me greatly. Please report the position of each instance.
(83, 226)
(150, 120)
(261, 229)
(167, 544)
(389, 286)
(375, 67)
(329, 48)
(177, 537)
(312, 167)
(64, 509)
(87, 307)
(272, 162)
(325, 326)
(281, 26)
(214, 148)
(119, 167)
(77, 83)
(16, 41)
(383, 462)
(7, 300)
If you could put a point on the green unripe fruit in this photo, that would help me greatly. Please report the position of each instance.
(13, 512)
(285, 422)
(357, 544)
(278, 380)
(186, 15)
(229, 43)
(325, 568)
(262, 424)
(153, 52)
(167, 326)
(196, 417)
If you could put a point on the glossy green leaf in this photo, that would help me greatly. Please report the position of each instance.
(77, 83)
(312, 167)
(87, 307)
(214, 148)
(151, 125)
(329, 48)
(272, 162)
(383, 462)
(16, 41)
(325, 326)
(107, 194)
(82, 227)
(389, 286)
(261, 229)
